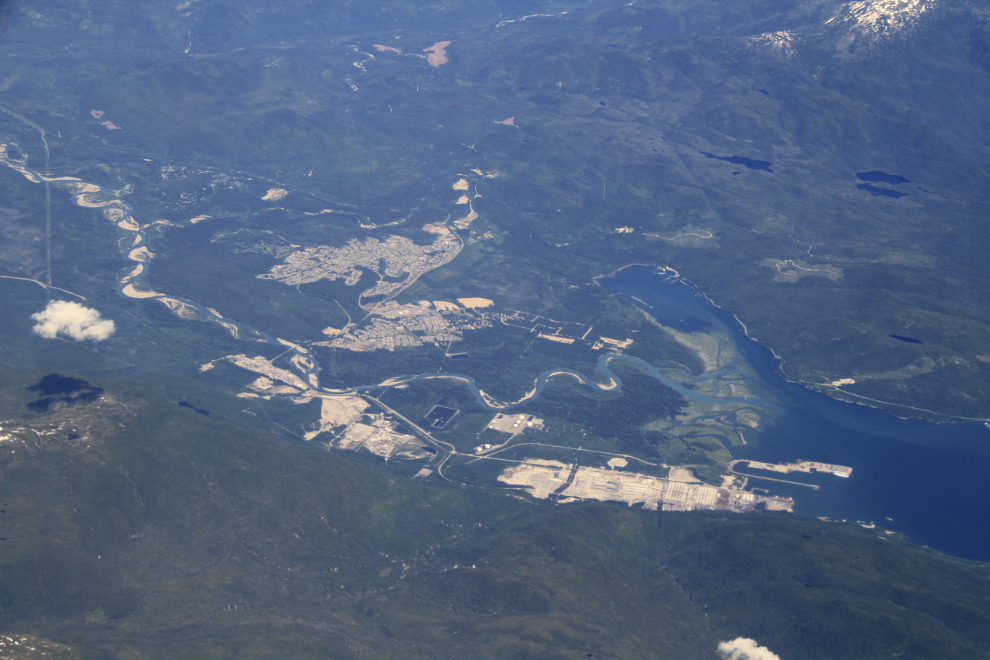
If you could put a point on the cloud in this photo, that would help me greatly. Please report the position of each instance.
(72, 320)
(743, 648)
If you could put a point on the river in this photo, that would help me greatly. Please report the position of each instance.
(916, 477)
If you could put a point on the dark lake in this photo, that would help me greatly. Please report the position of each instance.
(748, 163)
(876, 176)
(923, 479)
(880, 192)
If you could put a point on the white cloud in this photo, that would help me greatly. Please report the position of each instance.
(72, 320)
(743, 648)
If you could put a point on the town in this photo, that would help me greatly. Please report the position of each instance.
(400, 256)
(394, 325)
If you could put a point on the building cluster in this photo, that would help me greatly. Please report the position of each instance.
(511, 424)
(562, 332)
(544, 478)
(396, 325)
(514, 424)
(260, 365)
(800, 466)
(379, 437)
(546, 328)
(400, 256)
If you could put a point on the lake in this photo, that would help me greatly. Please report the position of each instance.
(928, 478)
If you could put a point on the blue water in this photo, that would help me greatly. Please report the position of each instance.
(880, 192)
(926, 477)
(876, 176)
(748, 163)
(929, 478)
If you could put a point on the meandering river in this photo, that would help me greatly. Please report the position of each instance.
(923, 479)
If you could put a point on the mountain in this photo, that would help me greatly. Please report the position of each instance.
(615, 109)
(272, 275)
(134, 527)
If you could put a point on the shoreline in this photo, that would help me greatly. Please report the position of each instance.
(942, 418)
